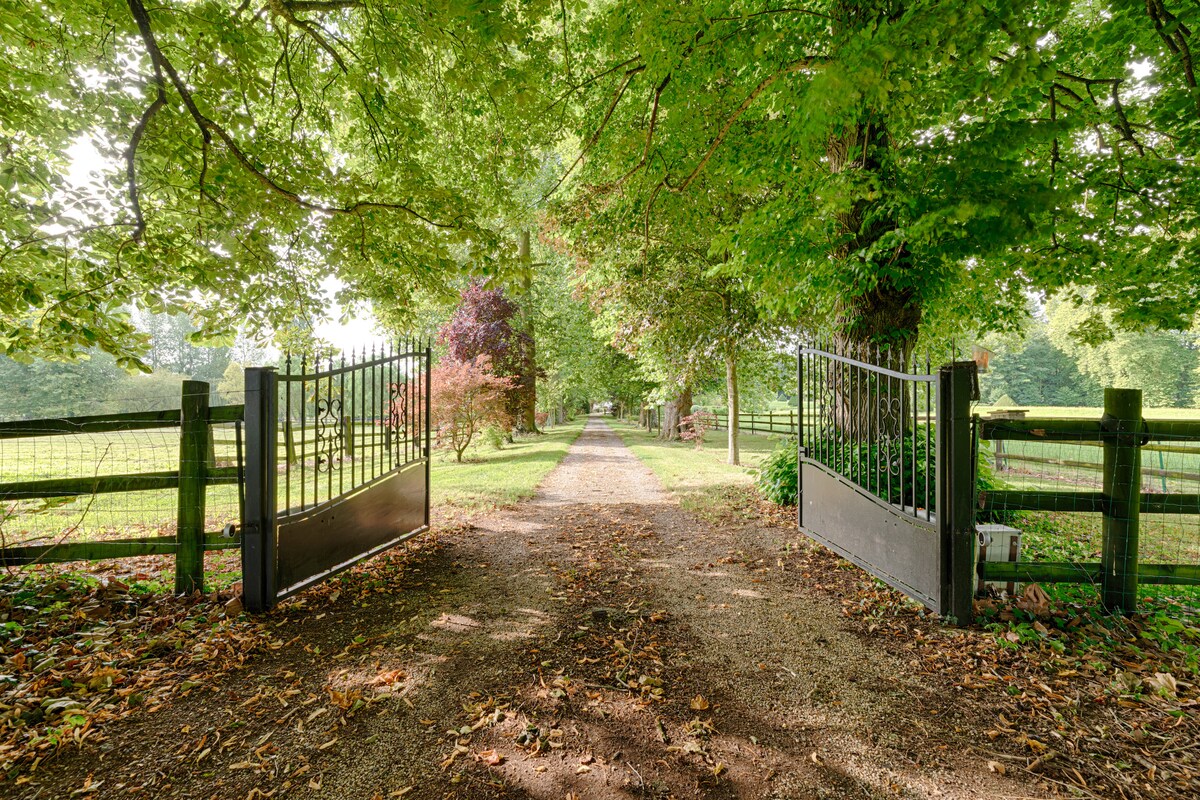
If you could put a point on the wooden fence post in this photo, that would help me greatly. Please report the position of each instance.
(956, 489)
(348, 436)
(194, 445)
(1123, 495)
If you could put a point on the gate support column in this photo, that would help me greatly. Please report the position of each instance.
(195, 443)
(258, 528)
(956, 488)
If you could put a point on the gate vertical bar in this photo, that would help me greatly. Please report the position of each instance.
(258, 527)
(1123, 496)
(427, 386)
(194, 452)
(800, 437)
(956, 489)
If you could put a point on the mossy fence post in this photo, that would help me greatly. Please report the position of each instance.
(194, 444)
(1123, 426)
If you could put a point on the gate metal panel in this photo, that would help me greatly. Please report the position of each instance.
(338, 465)
(322, 542)
(900, 549)
(884, 443)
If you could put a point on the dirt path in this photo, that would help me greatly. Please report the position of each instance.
(595, 642)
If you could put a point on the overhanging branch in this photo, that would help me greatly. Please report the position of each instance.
(209, 129)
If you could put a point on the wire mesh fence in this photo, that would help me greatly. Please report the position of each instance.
(88, 457)
(123, 484)
(1097, 502)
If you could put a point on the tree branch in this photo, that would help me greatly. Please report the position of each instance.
(139, 130)
(629, 75)
(763, 85)
(210, 128)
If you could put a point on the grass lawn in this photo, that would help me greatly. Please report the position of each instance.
(488, 478)
(699, 478)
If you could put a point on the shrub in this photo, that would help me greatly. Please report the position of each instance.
(541, 418)
(694, 427)
(466, 399)
(868, 463)
(777, 474)
(495, 436)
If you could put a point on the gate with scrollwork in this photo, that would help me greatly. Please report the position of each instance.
(337, 466)
(886, 470)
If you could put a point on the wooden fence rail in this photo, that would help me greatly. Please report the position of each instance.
(196, 471)
(1123, 434)
(785, 423)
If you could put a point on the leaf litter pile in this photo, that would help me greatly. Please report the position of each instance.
(78, 654)
(1084, 704)
(1074, 703)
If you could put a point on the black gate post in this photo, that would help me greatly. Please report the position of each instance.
(427, 383)
(258, 528)
(800, 437)
(956, 488)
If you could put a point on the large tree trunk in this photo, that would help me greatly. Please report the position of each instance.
(675, 410)
(733, 455)
(526, 391)
(878, 324)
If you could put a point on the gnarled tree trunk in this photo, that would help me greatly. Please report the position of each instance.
(675, 410)
(879, 323)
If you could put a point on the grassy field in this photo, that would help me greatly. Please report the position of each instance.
(696, 477)
(489, 478)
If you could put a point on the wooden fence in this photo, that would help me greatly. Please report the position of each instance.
(785, 423)
(1123, 434)
(195, 472)
(1003, 460)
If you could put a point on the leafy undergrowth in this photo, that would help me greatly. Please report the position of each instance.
(79, 652)
(1088, 705)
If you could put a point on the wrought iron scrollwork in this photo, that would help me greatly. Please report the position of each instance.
(398, 419)
(329, 433)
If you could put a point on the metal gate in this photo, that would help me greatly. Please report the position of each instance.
(337, 466)
(886, 471)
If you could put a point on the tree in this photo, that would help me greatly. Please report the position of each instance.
(466, 397)
(1160, 363)
(907, 160)
(1034, 372)
(232, 387)
(246, 152)
(483, 325)
(671, 299)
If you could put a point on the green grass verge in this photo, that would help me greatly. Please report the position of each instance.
(700, 478)
(488, 478)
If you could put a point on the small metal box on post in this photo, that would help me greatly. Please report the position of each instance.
(1123, 427)
(956, 487)
(194, 445)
